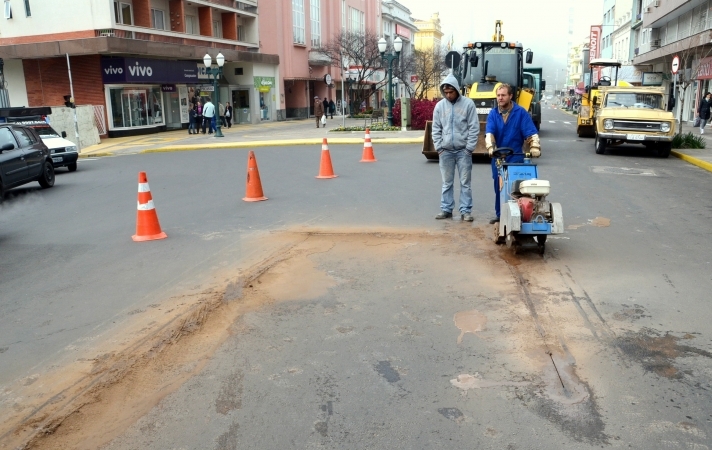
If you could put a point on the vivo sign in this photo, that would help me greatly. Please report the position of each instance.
(137, 70)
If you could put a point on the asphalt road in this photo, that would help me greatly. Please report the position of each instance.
(352, 340)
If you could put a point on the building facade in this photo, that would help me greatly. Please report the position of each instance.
(138, 62)
(396, 21)
(294, 31)
(429, 36)
(676, 27)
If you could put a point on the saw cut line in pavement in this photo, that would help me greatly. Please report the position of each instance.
(624, 171)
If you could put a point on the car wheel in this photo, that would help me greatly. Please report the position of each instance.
(46, 178)
(600, 145)
(663, 149)
(72, 167)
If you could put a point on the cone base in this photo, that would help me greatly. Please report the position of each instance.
(150, 237)
(326, 176)
(368, 160)
(254, 199)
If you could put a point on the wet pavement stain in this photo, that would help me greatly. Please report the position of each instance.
(452, 414)
(657, 353)
(230, 396)
(228, 440)
(322, 428)
(469, 322)
(601, 222)
(387, 371)
(634, 312)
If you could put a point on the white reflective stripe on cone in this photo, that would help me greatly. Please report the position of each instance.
(325, 147)
(367, 144)
(145, 206)
(143, 187)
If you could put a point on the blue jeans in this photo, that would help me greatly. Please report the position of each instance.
(463, 160)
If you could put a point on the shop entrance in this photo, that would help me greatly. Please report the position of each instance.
(171, 100)
(241, 106)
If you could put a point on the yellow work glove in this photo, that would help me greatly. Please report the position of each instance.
(534, 146)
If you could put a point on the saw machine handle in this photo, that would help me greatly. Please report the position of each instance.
(502, 152)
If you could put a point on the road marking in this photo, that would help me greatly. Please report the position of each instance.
(567, 123)
(552, 121)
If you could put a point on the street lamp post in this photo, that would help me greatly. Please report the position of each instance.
(389, 58)
(215, 72)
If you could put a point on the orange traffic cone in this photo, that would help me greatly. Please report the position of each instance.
(325, 168)
(368, 148)
(253, 190)
(147, 226)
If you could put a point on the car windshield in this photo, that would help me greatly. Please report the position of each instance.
(46, 132)
(634, 100)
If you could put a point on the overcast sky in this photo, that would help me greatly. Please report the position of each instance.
(542, 26)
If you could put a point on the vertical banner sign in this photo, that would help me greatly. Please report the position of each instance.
(184, 100)
(594, 45)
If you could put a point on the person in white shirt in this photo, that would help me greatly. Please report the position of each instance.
(208, 114)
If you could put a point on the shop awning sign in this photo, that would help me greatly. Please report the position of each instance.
(154, 71)
(652, 79)
(264, 84)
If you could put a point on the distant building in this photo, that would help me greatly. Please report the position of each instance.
(429, 36)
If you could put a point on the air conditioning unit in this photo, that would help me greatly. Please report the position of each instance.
(655, 43)
(656, 3)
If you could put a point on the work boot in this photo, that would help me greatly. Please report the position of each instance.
(444, 215)
(495, 220)
(467, 217)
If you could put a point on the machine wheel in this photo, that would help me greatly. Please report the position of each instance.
(663, 149)
(72, 167)
(541, 243)
(46, 178)
(600, 145)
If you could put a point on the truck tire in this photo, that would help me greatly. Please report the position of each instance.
(600, 145)
(663, 149)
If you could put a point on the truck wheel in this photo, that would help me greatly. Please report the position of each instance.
(600, 145)
(663, 149)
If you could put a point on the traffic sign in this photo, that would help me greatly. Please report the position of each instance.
(675, 64)
(452, 59)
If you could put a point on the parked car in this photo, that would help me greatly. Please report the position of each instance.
(63, 152)
(24, 158)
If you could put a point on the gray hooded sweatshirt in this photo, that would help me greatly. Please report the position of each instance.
(455, 124)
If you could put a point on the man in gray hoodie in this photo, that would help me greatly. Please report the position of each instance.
(455, 130)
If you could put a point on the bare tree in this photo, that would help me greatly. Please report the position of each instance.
(429, 67)
(691, 52)
(360, 52)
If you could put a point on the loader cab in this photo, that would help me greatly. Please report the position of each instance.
(489, 63)
(603, 72)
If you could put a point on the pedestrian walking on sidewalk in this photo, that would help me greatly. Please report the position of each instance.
(228, 114)
(318, 110)
(221, 109)
(332, 108)
(198, 116)
(455, 129)
(192, 128)
(704, 111)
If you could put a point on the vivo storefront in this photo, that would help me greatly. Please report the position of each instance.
(146, 95)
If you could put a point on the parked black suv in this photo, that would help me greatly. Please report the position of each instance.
(24, 158)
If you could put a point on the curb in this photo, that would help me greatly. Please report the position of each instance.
(97, 154)
(278, 143)
(692, 160)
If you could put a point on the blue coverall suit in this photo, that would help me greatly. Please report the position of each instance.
(512, 134)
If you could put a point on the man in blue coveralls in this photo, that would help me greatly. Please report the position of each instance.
(509, 125)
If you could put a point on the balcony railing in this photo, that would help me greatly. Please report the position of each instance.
(153, 35)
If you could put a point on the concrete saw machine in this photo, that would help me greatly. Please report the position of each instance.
(527, 217)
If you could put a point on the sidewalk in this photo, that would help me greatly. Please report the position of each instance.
(268, 133)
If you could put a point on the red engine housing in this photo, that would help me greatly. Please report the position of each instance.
(526, 208)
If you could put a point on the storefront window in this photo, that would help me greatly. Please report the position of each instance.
(136, 106)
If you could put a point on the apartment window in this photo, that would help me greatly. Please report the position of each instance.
(357, 20)
(298, 21)
(343, 15)
(241, 33)
(8, 10)
(28, 13)
(191, 25)
(217, 29)
(122, 13)
(315, 16)
(157, 20)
